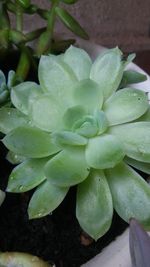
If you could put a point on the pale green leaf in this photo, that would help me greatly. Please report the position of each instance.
(79, 61)
(142, 166)
(125, 105)
(88, 94)
(130, 193)
(27, 175)
(145, 116)
(11, 118)
(46, 113)
(135, 138)
(14, 158)
(104, 151)
(30, 142)
(69, 138)
(2, 197)
(87, 126)
(107, 71)
(94, 208)
(57, 78)
(72, 115)
(67, 168)
(22, 95)
(45, 199)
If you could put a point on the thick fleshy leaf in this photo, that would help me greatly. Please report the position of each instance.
(11, 118)
(135, 138)
(88, 94)
(146, 116)
(79, 61)
(101, 120)
(2, 78)
(72, 115)
(45, 199)
(87, 126)
(56, 78)
(30, 142)
(130, 76)
(125, 105)
(27, 175)
(67, 168)
(46, 113)
(142, 166)
(94, 205)
(22, 94)
(107, 65)
(2, 196)
(130, 193)
(14, 158)
(104, 151)
(69, 138)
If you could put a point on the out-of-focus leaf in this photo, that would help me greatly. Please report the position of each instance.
(142, 166)
(71, 23)
(94, 205)
(69, 1)
(2, 196)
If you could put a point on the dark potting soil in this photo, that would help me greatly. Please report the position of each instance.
(57, 238)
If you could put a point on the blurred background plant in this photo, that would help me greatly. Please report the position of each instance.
(14, 37)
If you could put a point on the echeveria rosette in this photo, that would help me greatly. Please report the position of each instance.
(77, 128)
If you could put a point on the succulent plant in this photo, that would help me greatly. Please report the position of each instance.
(77, 128)
(5, 87)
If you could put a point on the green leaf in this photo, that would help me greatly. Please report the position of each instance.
(45, 199)
(46, 114)
(24, 3)
(22, 94)
(27, 175)
(142, 166)
(101, 120)
(107, 71)
(67, 168)
(125, 105)
(72, 115)
(69, 2)
(88, 94)
(2, 197)
(2, 78)
(79, 61)
(71, 23)
(30, 142)
(69, 138)
(11, 78)
(145, 116)
(130, 76)
(94, 205)
(14, 158)
(57, 79)
(87, 126)
(129, 59)
(130, 193)
(135, 138)
(104, 151)
(11, 118)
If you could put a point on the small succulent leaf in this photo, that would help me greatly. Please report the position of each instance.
(125, 105)
(88, 94)
(27, 175)
(22, 94)
(69, 138)
(46, 114)
(11, 78)
(108, 64)
(20, 259)
(72, 115)
(30, 142)
(145, 116)
(11, 118)
(129, 59)
(71, 23)
(101, 120)
(57, 78)
(135, 138)
(131, 76)
(104, 151)
(142, 166)
(139, 242)
(14, 158)
(130, 194)
(67, 168)
(45, 199)
(2, 78)
(87, 126)
(94, 208)
(2, 197)
(79, 61)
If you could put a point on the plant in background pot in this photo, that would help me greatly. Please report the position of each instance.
(76, 128)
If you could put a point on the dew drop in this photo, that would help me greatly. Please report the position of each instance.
(21, 187)
(8, 113)
(11, 177)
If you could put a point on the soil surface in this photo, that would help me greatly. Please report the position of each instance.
(57, 238)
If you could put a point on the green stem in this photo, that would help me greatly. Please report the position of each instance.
(19, 17)
(52, 17)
